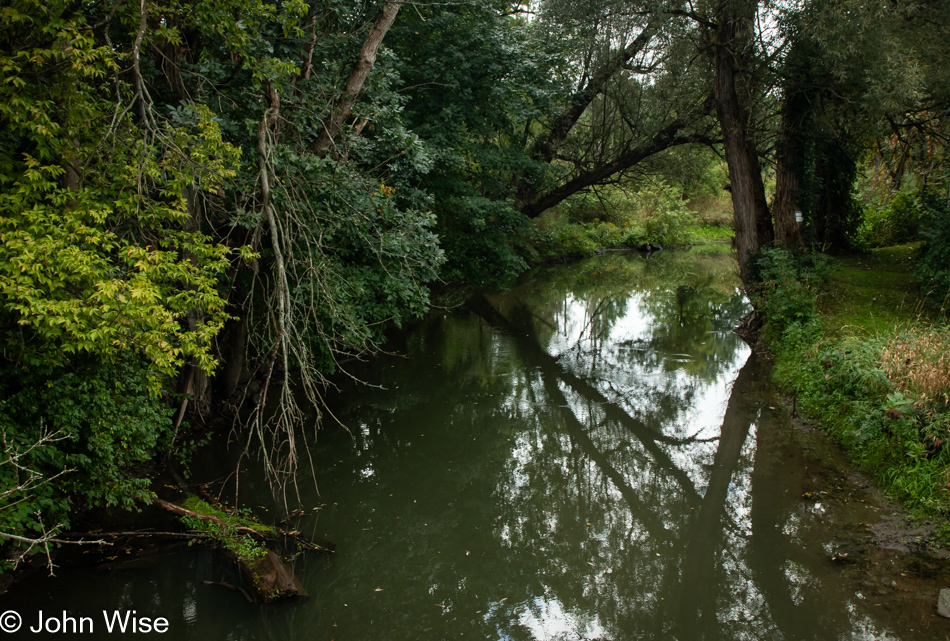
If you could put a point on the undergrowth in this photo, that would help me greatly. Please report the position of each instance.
(656, 216)
(882, 392)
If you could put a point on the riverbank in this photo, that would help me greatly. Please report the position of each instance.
(556, 239)
(870, 365)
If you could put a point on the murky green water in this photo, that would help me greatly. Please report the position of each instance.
(590, 456)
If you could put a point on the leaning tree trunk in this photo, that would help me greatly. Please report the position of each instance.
(753, 223)
(354, 84)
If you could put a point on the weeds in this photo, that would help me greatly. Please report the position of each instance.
(883, 394)
(226, 534)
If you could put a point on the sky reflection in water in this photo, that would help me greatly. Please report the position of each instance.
(589, 456)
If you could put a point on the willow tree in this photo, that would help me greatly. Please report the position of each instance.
(632, 91)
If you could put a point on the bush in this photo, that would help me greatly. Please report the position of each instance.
(665, 215)
(581, 226)
(70, 438)
(933, 261)
(785, 289)
(899, 222)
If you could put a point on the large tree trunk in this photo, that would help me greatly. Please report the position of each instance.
(834, 176)
(354, 84)
(753, 223)
(787, 182)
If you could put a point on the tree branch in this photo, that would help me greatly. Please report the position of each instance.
(354, 84)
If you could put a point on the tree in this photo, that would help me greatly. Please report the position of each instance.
(158, 184)
(633, 92)
(97, 272)
(731, 42)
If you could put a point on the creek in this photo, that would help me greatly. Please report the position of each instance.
(591, 455)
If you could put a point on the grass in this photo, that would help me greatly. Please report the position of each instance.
(704, 234)
(872, 292)
(874, 371)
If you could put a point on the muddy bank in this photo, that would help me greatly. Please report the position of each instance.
(891, 562)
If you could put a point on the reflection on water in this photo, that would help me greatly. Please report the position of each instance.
(589, 456)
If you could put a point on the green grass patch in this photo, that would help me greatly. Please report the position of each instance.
(871, 292)
(704, 234)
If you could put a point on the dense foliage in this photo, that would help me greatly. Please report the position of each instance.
(218, 202)
(933, 263)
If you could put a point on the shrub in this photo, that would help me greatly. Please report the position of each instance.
(898, 222)
(665, 215)
(785, 289)
(933, 261)
(70, 438)
(713, 210)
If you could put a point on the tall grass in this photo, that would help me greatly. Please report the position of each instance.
(917, 359)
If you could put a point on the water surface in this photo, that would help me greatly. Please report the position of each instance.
(592, 455)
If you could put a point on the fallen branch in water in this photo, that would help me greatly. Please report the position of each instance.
(240, 529)
(224, 584)
(142, 534)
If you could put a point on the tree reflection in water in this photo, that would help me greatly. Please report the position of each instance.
(588, 456)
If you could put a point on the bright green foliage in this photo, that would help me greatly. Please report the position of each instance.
(97, 269)
(93, 258)
(664, 214)
(133, 156)
(654, 216)
(242, 546)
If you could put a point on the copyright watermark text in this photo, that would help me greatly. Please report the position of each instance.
(119, 621)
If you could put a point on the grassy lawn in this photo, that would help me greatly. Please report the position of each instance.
(872, 292)
(703, 234)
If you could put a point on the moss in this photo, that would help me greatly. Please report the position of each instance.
(243, 546)
(236, 519)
